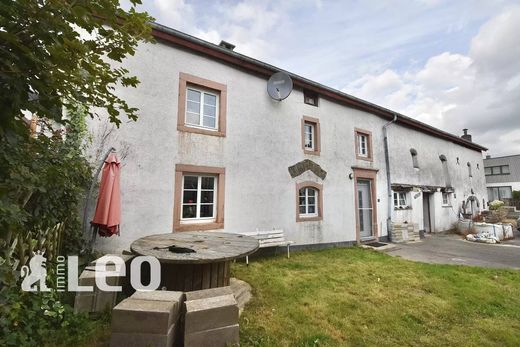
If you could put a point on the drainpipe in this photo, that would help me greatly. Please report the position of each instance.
(389, 182)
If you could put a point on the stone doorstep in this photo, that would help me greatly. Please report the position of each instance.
(175, 298)
(208, 293)
(143, 316)
(219, 337)
(133, 339)
(210, 313)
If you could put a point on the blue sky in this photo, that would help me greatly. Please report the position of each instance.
(452, 64)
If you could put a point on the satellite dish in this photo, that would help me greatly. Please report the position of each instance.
(279, 86)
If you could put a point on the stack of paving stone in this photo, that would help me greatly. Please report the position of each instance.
(98, 300)
(211, 318)
(148, 319)
(405, 232)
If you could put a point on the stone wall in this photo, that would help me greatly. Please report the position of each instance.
(405, 232)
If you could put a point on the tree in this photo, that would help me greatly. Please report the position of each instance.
(55, 54)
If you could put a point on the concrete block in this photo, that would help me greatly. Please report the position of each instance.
(143, 316)
(208, 293)
(84, 302)
(104, 300)
(176, 298)
(88, 278)
(219, 337)
(143, 339)
(210, 313)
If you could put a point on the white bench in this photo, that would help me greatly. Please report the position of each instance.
(270, 238)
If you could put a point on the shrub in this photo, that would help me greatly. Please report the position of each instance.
(495, 204)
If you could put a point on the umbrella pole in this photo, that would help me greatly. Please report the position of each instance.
(89, 195)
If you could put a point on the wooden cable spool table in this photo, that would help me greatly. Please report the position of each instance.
(195, 260)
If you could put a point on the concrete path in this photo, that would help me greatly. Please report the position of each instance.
(452, 249)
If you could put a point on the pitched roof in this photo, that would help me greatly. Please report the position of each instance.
(265, 70)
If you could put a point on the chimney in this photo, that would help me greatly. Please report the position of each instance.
(226, 45)
(466, 136)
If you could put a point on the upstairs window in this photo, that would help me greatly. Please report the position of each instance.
(445, 171)
(415, 162)
(201, 108)
(311, 135)
(446, 199)
(310, 98)
(469, 170)
(400, 200)
(363, 144)
(497, 170)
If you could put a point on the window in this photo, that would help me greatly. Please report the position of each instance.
(202, 106)
(363, 144)
(445, 171)
(311, 135)
(415, 162)
(497, 170)
(446, 199)
(400, 200)
(309, 201)
(469, 170)
(310, 98)
(199, 198)
(500, 193)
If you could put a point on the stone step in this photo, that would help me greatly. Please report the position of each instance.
(210, 313)
(219, 337)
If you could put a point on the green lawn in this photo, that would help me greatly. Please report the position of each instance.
(357, 297)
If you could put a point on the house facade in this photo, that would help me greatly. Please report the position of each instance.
(502, 176)
(212, 151)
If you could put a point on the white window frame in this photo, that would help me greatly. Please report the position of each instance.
(306, 202)
(202, 92)
(362, 149)
(398, 196)
(312, 132)
(446, 199)
(197, 218)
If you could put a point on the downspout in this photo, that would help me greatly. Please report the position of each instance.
(389, 182)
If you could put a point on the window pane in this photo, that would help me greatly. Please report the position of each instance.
(301, 200)
(209, 122)
(189, 211)
(210, 111)
(504, 192)
(210, 99)
(190, 182)
(487, 170)
(311, 191)
(311, 200)
(312, 209)
(302, 209)
(190, 197)
(192, 118)
(193, 107)
(206, 196)
(206, 210)
(208, 182)
(505, 169)
(495, 170)
(302, 192)
(193, 95)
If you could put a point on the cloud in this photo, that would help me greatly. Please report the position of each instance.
(479, 90)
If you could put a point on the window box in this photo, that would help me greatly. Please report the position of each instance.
(202, 106)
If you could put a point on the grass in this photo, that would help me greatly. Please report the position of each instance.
(357, 297)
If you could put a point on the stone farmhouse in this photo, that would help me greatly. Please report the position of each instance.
(212, 151)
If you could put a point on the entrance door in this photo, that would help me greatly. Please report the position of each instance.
(365, 208)
(426, 212)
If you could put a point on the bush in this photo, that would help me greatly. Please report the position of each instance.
(495, 204)
(516, 194)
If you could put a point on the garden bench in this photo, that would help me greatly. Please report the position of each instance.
(269, 238)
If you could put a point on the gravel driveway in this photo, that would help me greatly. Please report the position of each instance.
(452, 249)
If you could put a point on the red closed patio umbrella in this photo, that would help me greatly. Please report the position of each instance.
(108, 208)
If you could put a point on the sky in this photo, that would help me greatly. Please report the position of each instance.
(451, 64)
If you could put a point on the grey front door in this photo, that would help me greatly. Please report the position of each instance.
(365, 208)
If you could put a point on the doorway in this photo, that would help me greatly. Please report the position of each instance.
(427, 218)
(365, 208)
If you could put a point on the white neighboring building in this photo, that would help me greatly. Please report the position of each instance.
(502, 176)
(212, 151)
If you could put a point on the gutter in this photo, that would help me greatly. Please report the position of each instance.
(388, 179)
